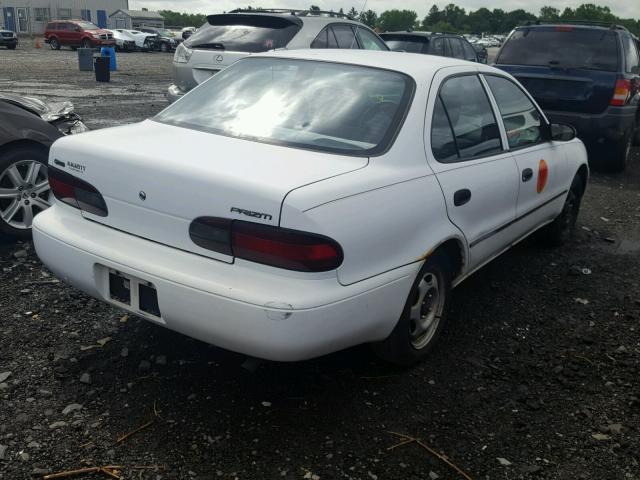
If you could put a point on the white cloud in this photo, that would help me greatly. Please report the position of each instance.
(622, 8)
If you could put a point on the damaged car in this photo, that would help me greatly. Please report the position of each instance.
(301, 202)
(28, 128)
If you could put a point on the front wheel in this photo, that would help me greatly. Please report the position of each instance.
(11, 47)
(164, 48)
(423, 317)
(24, 189)
(86, 43)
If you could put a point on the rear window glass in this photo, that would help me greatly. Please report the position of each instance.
(244, 33)
(563, 47)
(405, 43)
(338, 108)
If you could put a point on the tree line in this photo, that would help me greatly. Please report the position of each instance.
(451, 18)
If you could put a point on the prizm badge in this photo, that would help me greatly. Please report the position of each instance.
(76, 167)
(248, 213)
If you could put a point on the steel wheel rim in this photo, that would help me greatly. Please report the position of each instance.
(426, 310)
(24, 192)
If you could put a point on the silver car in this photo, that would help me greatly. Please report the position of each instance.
(228, 37)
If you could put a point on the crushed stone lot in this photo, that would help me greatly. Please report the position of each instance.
(536, 376)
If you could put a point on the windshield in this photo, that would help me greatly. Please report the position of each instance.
(244, 33)
(562, 47)
(400, 43)
(165, 33)
(306, 104)
(88, 26)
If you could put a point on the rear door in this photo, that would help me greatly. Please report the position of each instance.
(566, 68)
(478, 177)
(542, 165)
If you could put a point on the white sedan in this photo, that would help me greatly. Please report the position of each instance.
(302, 202)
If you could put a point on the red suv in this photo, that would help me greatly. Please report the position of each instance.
(76, 33)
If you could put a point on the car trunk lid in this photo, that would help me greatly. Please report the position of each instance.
(157, 178)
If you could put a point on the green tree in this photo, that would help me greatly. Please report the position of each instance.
(393, 20)
(480, 21)
(353, 13)
(454, 15)
(549, 14)
(314, 8)
(369, 18)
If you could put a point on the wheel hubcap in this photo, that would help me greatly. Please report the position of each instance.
(24, 192)
(426, 311)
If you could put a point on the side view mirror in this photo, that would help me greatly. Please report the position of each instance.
(561, 132)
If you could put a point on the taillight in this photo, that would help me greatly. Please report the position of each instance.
(621, 93)
(266, 244)
(77, 193)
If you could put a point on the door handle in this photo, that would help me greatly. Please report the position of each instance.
(461, 197)
(527, 174)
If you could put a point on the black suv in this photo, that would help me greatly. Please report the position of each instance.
(583, 74)
(442, 44)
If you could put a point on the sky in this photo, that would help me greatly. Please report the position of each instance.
(621, 8)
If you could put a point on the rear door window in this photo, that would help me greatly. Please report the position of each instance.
(563, 47)
(456, 47)
(345, 36)
(469, 52)
(244, 33)
(471, 120)
(630, 53)
(521, 118)
(437, 47)
(325, 39)
(369, 41)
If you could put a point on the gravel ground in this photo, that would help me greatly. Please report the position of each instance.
(535, 377)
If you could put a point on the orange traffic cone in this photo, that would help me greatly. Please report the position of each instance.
(38, 43)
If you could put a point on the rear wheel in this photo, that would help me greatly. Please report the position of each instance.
(423, 317)
(54, 43)
(560, 230)
(620, 152)
(24, 189)
(636, 137)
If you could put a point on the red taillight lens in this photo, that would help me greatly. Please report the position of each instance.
(77, 193)
(268, 245)
(621, 93)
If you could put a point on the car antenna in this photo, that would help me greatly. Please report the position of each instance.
(355, 34)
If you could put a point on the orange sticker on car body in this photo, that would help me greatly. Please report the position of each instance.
(543, 175)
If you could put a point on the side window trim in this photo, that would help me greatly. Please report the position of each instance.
(497, 118)
(494, 105)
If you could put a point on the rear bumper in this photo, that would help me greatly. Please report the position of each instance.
(611, 125)
(255, 310)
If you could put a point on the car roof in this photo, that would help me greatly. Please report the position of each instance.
(420, 67)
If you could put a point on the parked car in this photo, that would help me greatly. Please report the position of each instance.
(76, 33)
(124, 41)
(164, 40)
(334, 198)
(228, 37)
(442, 44)
(587, 75)
(187, 32)
(8, 39)
(144, 41)
(28, 127)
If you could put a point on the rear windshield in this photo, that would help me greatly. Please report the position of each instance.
(244, 33)
(322, 106)
(405, 43)
(563, 47)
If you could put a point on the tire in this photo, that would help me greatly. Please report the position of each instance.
(11, 47)
(86, 43)
(54, 43)
(620, 152)
(164, 48)
(636, 137)
(24, 189)
(559, 231)
(428, 301)
(74, 48)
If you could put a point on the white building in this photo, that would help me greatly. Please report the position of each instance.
(135, 19)
(31, 16)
